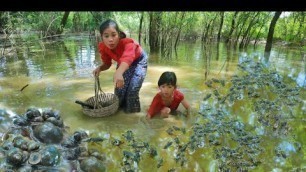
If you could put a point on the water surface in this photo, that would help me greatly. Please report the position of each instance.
(59, 72)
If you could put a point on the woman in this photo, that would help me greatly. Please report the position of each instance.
(131, 64)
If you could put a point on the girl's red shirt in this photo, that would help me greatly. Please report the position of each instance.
(157, 104)
(127, 51)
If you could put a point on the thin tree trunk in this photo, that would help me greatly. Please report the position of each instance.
(240, 31)
(248, 38)
(258, 34)
(259, 31)
(63, 22)
(179, 31)
(211, 35)
(140, 28)
(205, 32)
(268, 46)
(244, 36)
(232, 28)
(291, 31)
(220, 28)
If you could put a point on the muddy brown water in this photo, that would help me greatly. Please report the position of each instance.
(60, 72)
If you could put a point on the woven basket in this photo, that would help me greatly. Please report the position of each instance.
(105, 104)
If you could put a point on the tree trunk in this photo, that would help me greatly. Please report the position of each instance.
(245, 19)
(259, 31)
(291, 29)
(140, 28)
(244, 36)
(221, 25)
(63, 22)
(206, 30)
(205, 38)
(258, 34)
(179, 31)
(211, 35)
(154, 25)
(232, 28)
(268, 46)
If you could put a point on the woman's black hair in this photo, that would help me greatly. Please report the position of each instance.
(111, 23)
(167, 78)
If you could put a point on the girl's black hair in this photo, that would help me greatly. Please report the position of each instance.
(167, 78)
(111, 23)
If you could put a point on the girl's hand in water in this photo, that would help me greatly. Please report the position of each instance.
(148, 116)
(165, 112)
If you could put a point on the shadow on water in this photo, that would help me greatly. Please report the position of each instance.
(62, 73)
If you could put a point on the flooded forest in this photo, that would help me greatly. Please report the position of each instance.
(242, 72)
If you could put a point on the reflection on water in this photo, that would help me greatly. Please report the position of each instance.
(63, 73)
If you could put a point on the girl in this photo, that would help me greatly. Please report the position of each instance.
(169, 98)
(131, 64)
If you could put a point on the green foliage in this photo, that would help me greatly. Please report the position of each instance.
(290, 27)
(128, 21)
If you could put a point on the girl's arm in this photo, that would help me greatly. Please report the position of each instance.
(165, 112)
(186, 105)
(154, 107)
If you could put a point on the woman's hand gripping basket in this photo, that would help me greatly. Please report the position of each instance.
(101, 104)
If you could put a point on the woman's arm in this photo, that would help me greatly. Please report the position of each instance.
(100, 68)
(104, 67)
(118, 77)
